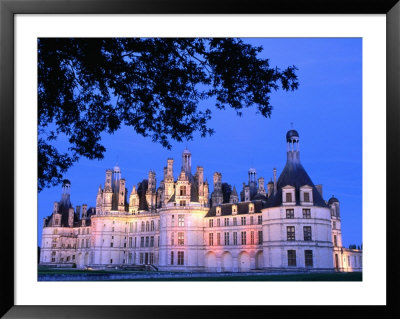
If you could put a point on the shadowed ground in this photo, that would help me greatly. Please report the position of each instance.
(120, 275)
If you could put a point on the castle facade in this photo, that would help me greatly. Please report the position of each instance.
(180, 226)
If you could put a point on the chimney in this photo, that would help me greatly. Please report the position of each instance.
(78, 211)
(275, 186)
(71, 217)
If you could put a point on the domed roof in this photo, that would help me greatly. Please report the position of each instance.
(252, 170)
(333, 200)
(271, 182)
(66, 181)
(291, 133)
(117, 168)
(186, 151)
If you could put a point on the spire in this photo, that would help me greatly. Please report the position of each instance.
(234, 192)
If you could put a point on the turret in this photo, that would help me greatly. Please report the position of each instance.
(99, 199)
(66, 193)
(108, 192)
(261, 187)
(217, 195)
(234, 196)
(151, 190)
(168, 182)
(133, 201)
(122, 195)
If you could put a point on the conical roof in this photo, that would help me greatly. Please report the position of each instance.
(294, 175)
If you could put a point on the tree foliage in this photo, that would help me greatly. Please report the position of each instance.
(90, 86)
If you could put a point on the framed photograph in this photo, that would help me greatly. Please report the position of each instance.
(219, 209)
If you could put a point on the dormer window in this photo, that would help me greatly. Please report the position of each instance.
(306, 195)
(234, 209)
(183, 191)
(218, 211)
(251, 208)
(288, 195)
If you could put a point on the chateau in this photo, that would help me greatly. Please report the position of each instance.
(180, 226)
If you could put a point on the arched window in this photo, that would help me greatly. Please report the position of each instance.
(147, 226)
(142, 229)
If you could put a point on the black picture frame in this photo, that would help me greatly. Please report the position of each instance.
(8, 10)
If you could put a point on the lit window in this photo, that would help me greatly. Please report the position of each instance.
(290, 233)
(290, 213)
(291, 254)
(181, 240)
(181, 220)
(211, 239)
(251, 207)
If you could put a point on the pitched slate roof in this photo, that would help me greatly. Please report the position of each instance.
(243, 208)
(141, 190)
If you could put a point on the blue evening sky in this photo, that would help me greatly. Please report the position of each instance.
(326, 111)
